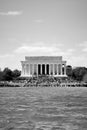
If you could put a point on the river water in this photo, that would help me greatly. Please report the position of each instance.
(50, 108)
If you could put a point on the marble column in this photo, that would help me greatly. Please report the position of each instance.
(57, 69)
(64, 69)
(49, 69)
(53, 69)
(22, 69)
(41, 69)
(61, 69)
(32, 69)
(25, 69)
(28, 70)
(37, 69)
(59, 66)
(45, 69)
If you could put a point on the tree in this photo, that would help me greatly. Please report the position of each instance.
(16, 73)
(79, 72)
(1, 75)
(85, 78)
(7, 74)
(69, 70)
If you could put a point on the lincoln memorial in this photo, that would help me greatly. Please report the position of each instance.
(43, 65)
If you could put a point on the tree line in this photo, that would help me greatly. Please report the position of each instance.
(78, 73)
(7, 74)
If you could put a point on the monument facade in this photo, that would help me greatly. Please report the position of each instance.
(43, 65)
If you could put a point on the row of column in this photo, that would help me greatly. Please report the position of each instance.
(46, 69)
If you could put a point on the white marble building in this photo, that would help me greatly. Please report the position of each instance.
(43, 65)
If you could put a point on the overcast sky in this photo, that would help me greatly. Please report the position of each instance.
(43, 27)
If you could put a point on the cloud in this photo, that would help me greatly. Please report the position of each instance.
(7, 60)
(83, 43)
(35, 50)
(41, 49)
(39, 21)
(38, 48)
(77, 61)
(84, 46)
(11, 13)
(85, 49)
(6, 56)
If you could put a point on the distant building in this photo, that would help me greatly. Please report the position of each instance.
(43, 65)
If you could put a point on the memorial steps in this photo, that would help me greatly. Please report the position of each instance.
(46, 81)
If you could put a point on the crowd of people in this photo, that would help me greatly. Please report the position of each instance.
(42, 81)
(50, 81)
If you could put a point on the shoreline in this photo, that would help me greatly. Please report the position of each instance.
(74, 84)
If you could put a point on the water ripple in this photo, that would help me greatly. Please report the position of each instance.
(43, 109)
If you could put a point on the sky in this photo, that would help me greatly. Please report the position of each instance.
(43, 28)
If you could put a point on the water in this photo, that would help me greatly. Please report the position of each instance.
(43, 108)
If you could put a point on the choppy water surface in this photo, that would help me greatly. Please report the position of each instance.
(43, 108)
